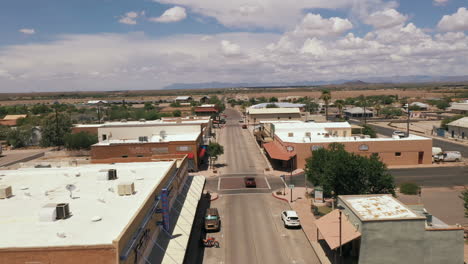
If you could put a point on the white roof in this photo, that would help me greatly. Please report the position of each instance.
(157, 122)
(255, 111)
(459, 106)
(183, 97)
(357, 110)
(281, 105)
(97, 101)
(378, 207)
(462, 122)
(422, 105)
(33, 188)
(183, 136)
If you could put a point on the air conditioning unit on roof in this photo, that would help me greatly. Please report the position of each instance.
(5, 191)
(126, 188)
(112, 174)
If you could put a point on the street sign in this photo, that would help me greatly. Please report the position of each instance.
(291, 186)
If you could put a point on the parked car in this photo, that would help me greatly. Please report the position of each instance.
(449, 156)
(290, 219)
(399, 133)
(212, 220)
(250, 182)
(241, 120)
(435, 153)
(244, 126)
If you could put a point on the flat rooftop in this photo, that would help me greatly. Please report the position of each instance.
(183, 136)
(93, 197)
(158, 122)
(378, 207)
(258, 111)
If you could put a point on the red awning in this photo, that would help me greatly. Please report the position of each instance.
(190, 155)
(202, 153)
(275, 151)
(329, 228)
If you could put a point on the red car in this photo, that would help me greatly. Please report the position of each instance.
(250, 182)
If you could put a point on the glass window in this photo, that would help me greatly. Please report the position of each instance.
(160, 150)
(184, 148)
(104, 137)
(398, 154)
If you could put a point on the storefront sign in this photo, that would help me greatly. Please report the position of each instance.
(318, 194)
(363, 147)
(316, 147)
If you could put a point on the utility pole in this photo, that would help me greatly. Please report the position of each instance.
(56, 128)
(408, 122)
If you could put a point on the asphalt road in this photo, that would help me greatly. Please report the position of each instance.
(436, 142)
(251, 229)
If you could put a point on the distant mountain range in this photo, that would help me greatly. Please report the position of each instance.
(364, 81)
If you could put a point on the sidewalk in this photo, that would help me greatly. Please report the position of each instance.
(301, 205)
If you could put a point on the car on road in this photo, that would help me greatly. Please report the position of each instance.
(290, 219)
(250, 182)
(212, 220)
(244, 126)
(449, 156)
(241, 120)
(399, 133)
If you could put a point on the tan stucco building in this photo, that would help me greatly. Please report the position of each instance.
(256, 115)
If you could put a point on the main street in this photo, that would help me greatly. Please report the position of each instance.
(251, 229)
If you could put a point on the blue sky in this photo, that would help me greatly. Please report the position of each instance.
(51, 44)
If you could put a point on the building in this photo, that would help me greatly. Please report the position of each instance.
(140, 140)
(10, 120)
(358, 112)
(458, 128)
(380, 229)
(421, 106)
(459, 108)
(255, 115)
(279, 105)
(102, 214)
(206, 110)
(183, 99)
(289, 144)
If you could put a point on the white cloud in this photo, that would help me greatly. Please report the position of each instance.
(230, 49)
(272, 14)
(440, 2)
(385, 19)
(173, 14)
(27, 31)
(315, 25)
(455, 22)
(130, 18)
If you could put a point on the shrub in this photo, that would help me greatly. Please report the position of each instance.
(82, 140)
(409, 188)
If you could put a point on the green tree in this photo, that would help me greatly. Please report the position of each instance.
(177, 113)
(19, 137)
(81, 140)
(272, 105)
(273, 99)
(54, 129)
(214, 151)
(345, 173)
(340, 104)
(464, 197)
(326, 96)
(368, 130)
(148, 106)
(390, 112)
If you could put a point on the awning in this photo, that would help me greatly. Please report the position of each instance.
(329, 228)
(277, 152)
(190, 155)
(202, 153)
(176, 249)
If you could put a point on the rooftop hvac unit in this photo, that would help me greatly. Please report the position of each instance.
(290, 134)
(5, 191)
(48, 213)
(307, 134)
(112, 174)
(126, 188)
(63, 211)
(163, 135)
(143, 139)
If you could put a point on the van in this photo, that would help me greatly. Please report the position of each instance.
(435, 153)
(450, 156)
(212, 220)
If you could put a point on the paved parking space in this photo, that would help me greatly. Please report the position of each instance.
(237, 183)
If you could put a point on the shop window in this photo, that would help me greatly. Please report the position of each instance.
(140, 156)
(397, 154)
(124, 156)
(160, 150)
(104, 137)
(289, 117)
(184, 148)
(278, 117)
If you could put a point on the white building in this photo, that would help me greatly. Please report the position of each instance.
(458, 128)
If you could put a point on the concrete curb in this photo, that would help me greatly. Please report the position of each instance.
(280, 198)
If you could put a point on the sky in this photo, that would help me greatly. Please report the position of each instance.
(56, 45)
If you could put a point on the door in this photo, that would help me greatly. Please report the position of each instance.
(420, 157)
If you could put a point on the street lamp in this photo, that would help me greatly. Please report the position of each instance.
(290, 149)
(340, 208)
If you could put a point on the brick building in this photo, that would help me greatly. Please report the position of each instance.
(289, 144)
(95, 213)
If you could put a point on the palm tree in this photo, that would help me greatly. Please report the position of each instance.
(340, 104)
(326, 96)
(377, 108)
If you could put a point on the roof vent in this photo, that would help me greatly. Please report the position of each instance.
(290, 134)
(126, 188)
(48, 213)
(143, 139)
(163, 134)
(307, 134)
(41, 166)
(5, 191)
(112, 174)
(63, 211)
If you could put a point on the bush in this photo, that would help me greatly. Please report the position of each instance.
(409, 188)
(82, 140)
